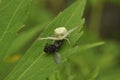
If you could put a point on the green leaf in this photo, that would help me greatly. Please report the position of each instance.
(11, 20)
(23, 39)
(35, 64)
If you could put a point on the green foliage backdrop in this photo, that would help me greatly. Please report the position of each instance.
(33, 63)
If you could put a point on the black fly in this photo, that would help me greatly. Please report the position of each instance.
(53, 49)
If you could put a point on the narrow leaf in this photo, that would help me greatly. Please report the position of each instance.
(36, 64)
(11, 20)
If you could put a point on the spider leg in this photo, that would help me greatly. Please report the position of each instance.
(51, 38)
(70, 31)
(68, 41)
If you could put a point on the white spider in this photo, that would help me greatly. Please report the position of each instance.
(60, 33)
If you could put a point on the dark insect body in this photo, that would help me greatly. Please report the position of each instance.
(52, 48)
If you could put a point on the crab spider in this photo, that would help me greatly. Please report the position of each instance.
(61, 33)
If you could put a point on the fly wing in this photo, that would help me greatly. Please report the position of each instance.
(57, 57)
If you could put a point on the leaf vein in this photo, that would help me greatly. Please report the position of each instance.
(29, 67)
(11, 19)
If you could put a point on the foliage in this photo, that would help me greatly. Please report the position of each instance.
(22, 56)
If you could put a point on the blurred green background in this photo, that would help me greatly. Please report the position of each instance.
(102, 22)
